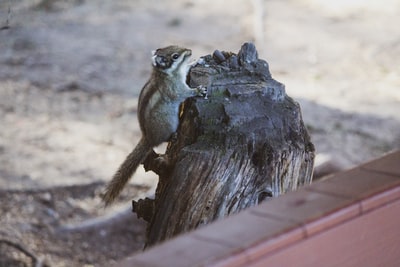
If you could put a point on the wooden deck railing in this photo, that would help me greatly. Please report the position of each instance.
(350, 219)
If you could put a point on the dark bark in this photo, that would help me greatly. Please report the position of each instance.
(243, 144)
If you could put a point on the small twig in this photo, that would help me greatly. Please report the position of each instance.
(36, 261)
(123, 217)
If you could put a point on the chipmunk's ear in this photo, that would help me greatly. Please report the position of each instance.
(153, 57)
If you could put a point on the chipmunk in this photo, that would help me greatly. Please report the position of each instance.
(158, 111)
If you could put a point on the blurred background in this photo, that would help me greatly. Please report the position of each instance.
(71, 72)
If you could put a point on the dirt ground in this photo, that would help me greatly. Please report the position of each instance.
(71, 71)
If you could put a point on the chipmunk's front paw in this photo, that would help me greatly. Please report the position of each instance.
(202, 91)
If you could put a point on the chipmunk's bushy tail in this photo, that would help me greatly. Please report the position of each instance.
(125, 171)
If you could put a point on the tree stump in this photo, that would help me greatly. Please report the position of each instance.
(244, 143)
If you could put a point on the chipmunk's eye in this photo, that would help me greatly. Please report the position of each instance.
(175, 56)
